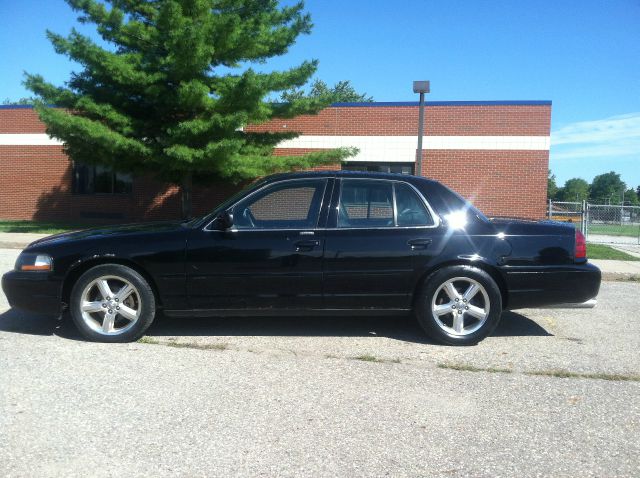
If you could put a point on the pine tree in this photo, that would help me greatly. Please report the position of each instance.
(175, 84)
(342, 92)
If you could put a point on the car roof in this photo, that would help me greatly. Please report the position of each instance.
(346, 174)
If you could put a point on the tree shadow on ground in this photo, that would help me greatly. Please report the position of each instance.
(19, 322)
(403, 328)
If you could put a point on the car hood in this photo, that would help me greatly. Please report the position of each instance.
(111, 231)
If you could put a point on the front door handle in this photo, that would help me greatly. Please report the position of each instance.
(418, 243)
(306, 245)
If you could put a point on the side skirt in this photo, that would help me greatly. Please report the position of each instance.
(285, 312)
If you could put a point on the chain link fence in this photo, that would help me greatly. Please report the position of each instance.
(573, 212)
(601, 223)
(613, 224)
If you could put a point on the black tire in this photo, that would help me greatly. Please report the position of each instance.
(144, 298)
(433, 293)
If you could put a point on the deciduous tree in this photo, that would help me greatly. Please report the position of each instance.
(575, 189)
(552, 186)
(607, 187)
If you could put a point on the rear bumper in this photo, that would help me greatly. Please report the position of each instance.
(33, 292)
(547, 286)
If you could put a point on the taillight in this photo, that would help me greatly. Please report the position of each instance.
(581, 246)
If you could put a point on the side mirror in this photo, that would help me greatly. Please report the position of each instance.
(225, 220)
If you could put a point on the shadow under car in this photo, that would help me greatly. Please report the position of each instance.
(403, 328)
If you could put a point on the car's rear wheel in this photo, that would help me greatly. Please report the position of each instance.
(112, 303)
(459, 305)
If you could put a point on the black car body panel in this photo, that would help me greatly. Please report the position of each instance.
(156, 249)
(34, 292)
(202, 268)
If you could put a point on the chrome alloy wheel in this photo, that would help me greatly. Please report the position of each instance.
(460, 306)
(110, 305)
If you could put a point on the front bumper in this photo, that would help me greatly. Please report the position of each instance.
(34, 292)
(548, 286)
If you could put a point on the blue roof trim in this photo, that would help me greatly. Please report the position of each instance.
(15, 107)
(452, 103)
(22, 107)
(393, 103)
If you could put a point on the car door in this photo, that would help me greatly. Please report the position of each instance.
(270, 258)
(380, 235)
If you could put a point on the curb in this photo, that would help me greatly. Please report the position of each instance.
(14, 245)
(620, 277)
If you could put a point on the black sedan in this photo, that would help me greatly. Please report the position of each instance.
(314, 243)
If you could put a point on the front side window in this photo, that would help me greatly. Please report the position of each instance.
(288, 205)
(378, 203)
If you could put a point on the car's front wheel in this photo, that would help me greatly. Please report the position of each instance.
(112, 303)
(459, 305)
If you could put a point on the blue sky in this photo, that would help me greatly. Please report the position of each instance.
(583, 55)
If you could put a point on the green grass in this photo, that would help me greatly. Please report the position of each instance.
(614, 377)
(601, 251)
(615, 229)
(471, 368)
(39, 227)
(368, 358)
(372, 358)
(557, 373)
(184, 345)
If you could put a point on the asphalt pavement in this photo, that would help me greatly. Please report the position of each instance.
(325, 397)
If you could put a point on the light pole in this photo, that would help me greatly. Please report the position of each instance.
(421, 87)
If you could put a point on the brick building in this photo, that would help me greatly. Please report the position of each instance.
(496, 153)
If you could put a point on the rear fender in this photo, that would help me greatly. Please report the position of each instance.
(472, 261)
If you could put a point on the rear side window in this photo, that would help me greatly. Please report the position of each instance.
(411, 209)
(378, 203)
(365, 203)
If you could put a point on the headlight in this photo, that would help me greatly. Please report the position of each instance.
(28, 261)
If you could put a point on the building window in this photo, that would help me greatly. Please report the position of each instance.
(95, 179)
(401, 168)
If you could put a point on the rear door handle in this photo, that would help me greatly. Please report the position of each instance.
(418, 243)
(306, 245)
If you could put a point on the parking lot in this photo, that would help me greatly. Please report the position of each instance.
(551, 393)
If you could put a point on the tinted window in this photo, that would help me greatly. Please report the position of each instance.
(402, 168)
(287, 205)
(90, 179)
(365, 203)
(447, 201)
(411, 210)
